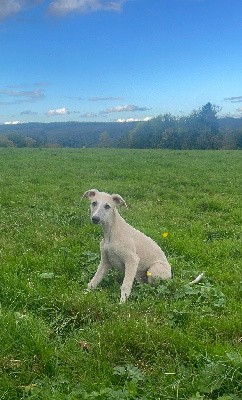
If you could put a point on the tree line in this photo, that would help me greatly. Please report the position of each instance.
(202, 129)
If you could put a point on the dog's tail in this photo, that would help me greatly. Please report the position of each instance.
(198, 278)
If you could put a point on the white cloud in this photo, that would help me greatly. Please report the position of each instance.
(11, 7)
(239, 109)
(134, 119)
(125, 108)
(126, 120)
(25, 96)
(12, 123)
(33, 94)
(234, 99)
(28, 112)
(104, 98)
(58, 111)
(88, 115)
(63, 7)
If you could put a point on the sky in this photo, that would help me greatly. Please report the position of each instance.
(118, 60)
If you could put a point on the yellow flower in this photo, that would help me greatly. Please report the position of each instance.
(148, 273)
(165, 234)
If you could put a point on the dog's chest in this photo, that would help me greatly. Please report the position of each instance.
(114, 255)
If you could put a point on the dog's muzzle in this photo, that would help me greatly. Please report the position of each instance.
(96, 220)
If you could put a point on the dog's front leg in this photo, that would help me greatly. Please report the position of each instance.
(99, 275)
(131, 266)
(101, 272)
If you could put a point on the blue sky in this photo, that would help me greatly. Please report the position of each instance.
(109, 60)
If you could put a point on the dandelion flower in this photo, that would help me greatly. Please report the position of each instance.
(165, 234)
(148, 273)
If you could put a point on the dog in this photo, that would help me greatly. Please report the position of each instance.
(123, 246)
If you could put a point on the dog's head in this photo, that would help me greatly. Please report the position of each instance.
(102, 205)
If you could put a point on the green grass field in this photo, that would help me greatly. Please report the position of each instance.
(173, 341)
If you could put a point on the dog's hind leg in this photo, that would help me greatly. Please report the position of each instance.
(159, 270)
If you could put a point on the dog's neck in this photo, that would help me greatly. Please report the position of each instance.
(110, 224)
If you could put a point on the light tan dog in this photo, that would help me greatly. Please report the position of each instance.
(123, 246)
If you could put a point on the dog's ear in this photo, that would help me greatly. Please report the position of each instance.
(118, 200)
(90, 193)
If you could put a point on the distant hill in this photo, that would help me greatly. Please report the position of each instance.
(69, 134)
(92, 134)
(230, 123)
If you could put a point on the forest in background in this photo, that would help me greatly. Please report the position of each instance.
(202, 129)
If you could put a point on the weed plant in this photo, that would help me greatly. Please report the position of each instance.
(171, 341)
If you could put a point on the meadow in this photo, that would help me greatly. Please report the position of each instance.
(171, 341)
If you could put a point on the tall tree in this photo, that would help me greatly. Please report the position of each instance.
(208, 117)
(104, 140)
(208, 127)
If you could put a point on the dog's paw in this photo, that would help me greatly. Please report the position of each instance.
(90, 286)
(123, 299)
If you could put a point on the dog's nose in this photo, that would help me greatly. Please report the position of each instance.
(95, 219)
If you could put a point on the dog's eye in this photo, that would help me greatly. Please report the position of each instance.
(94, 203)
(107, 206)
